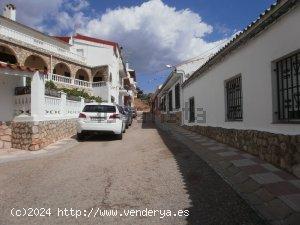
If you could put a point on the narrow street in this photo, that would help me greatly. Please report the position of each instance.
(146, 170)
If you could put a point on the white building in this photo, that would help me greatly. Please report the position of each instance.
(29, 60)
(170, 93)
(108, 82)
(248, 94)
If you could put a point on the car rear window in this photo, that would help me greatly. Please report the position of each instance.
(100, 108)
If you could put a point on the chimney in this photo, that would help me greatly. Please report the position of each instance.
(10, 12)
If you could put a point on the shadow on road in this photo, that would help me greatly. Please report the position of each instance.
(213, 201)
(98, 137)
(147, 121)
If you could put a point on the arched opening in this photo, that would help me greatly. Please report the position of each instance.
(99, 76)
(36, 62)
(7, 55)
(62, 69)
(81, 74)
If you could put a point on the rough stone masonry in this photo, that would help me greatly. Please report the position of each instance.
(278, 149)
(5, 135)
(36, 135)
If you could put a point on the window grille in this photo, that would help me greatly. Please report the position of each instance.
(288, 88)
(170, 98)
(177, 96)
(191, 110)
(234, 99)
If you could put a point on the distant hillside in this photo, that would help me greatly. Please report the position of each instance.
(141, 105)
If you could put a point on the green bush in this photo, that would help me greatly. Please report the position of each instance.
(50, 85)
(72, 92)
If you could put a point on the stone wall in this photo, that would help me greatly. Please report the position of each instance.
(36, 135)
(280, 150)
(5, 135)
(171, 118)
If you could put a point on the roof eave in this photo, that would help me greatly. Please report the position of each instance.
(248, 33)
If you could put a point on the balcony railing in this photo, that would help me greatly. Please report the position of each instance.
(68, 80)
(21, 37)
(100, 84)
(82, 83)
(61, 79)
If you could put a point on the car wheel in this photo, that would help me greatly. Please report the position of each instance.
(119, 136)
(127, 126)
(80, 137)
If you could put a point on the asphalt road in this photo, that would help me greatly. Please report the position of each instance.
(147, 177)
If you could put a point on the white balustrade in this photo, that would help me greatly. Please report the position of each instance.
(100, 84)
(22, 104)
(61, 79)
(52, 106)
(21, 37)
(68, 80)
(82, 83)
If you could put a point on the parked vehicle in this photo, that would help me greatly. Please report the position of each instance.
(127, 115)
(133, 111)
(129, 112)
(103, 118)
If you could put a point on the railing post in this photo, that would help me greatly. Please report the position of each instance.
(37, 96)
(81, 104)
(63, 103)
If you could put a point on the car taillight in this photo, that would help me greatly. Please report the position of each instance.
(81, 115)
(114, 116)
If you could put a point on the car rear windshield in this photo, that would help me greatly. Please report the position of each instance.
(100, 108)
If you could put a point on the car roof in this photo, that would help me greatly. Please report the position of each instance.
(105, 103)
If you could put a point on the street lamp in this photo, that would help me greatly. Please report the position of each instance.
(175, 69)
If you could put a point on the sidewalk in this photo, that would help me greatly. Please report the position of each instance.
(8, 155)
(272, 192)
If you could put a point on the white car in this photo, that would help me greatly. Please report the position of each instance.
(101, 117)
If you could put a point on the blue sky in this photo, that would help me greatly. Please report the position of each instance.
(153, 33)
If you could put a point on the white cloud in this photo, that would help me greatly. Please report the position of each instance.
(34, 12)
(77, 5)
(153, 34)
(51, 16)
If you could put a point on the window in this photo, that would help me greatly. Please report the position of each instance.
(234, 108)
(288, 88)
(191, 110)
(170, 96)
(100, 108)
(163, 104)
(80, 52)
(177, 96)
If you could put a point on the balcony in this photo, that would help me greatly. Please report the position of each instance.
(68, 81)
(10, 35)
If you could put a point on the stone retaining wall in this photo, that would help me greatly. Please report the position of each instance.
(171, 118)
(278, 149)
(5, 135)
(36, 135)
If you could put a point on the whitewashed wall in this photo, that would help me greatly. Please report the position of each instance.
(98, 55)
(7, 89)
(254, 62)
